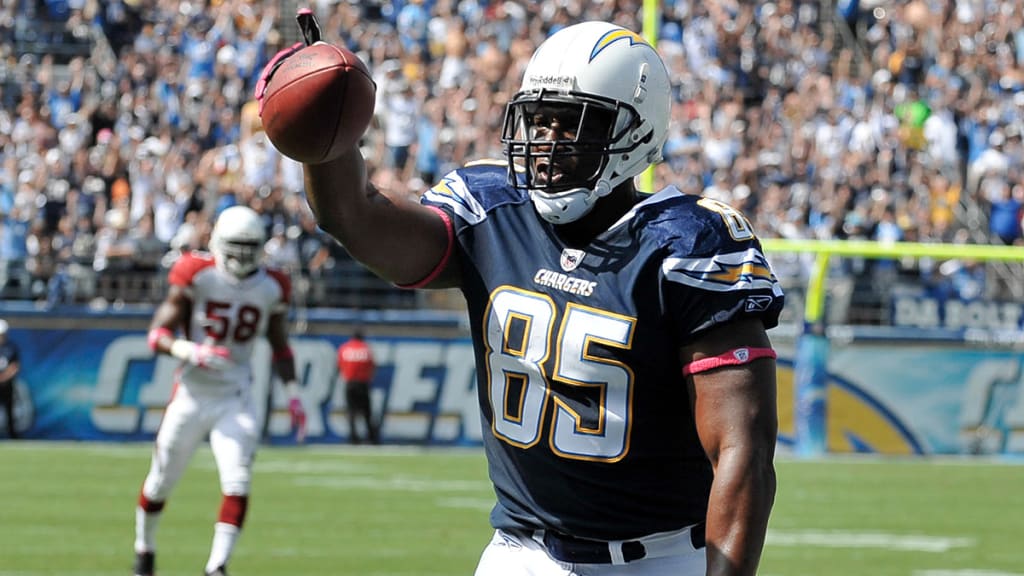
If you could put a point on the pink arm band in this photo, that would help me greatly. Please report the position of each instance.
(444, 259)
(733, 357)
(155, 335)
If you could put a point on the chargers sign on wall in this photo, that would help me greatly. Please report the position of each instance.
(893, 398)
(108, 385)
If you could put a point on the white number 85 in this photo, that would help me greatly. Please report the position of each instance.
(518, 336)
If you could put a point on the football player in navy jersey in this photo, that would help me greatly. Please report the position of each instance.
(625, 377)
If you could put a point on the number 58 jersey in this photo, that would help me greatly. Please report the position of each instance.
(226, 311)
(586, 415)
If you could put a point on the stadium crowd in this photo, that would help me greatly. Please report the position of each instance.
(895, 121)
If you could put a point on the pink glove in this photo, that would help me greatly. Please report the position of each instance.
(207, 356)
(298, 414)
(212, 357)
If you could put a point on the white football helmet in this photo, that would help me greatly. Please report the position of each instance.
(237, 241)
(615, 87)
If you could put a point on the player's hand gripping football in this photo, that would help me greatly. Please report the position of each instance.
(310, 28)
(316, 99)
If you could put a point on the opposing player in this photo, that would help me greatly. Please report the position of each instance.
(221, 302)
(626, 381)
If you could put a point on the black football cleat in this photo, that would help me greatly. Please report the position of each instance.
(222, 571)
(145, 562)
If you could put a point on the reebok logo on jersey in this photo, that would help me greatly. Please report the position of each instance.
(758, 303)
(563, 282)
(571, 259)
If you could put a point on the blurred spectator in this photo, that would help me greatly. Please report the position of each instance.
(14, 231)
(115, 254)
(1007, 211)
(991, 162)
(401, 113)
(411, 23)
(41, 263)
(281, 251)
(148, 249)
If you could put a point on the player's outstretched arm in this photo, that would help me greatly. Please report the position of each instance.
(736, 415)
(399, 239)
(284, 365)
(277, 337)
(170, 315)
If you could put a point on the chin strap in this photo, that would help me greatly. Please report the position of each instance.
(570, 205)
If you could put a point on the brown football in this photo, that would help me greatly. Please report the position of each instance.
(318, 103)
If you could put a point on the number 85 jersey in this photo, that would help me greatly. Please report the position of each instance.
(586, 415)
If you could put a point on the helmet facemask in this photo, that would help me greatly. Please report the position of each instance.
(567, 169)
(240, 259)
(613, 79)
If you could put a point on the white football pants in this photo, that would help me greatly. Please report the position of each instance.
(231, 426)
(512, 555)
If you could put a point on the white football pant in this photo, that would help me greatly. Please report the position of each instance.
(230, 423)
(513, 555)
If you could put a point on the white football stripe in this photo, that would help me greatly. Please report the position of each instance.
(452, 191)
(836, 539)
(967, 572)
(695, 272)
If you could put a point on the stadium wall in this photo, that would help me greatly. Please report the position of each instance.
(91, 376)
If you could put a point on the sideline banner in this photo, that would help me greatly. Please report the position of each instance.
(108, 385)
(891, 397)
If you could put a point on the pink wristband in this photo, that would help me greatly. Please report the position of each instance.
(155, 335)
(444, 259)
(733, 357)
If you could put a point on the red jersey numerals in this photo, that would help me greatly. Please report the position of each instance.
(223, 322)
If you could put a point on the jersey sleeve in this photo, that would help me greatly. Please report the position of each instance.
(285, 283)
(453, 195)
(718, 273)
(186, 267)
(468, 193)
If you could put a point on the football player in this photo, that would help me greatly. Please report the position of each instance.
(221, 302)
(626, 380)
(10, 366)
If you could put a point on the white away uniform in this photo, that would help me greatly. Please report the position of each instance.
(230, 312)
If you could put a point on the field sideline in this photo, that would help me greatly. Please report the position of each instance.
(68, 509)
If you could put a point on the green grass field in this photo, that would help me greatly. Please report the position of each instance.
(68, 509)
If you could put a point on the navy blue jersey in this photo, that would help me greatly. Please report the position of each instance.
(586, 417)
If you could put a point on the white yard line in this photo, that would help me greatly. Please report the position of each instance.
(404, 484)
(966, 572)
(881, 540)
